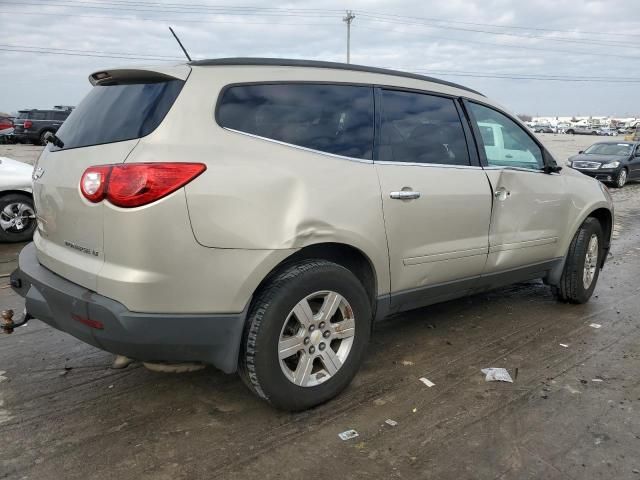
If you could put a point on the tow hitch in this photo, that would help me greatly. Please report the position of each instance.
(8, 325)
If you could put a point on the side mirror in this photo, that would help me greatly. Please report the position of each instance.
(638, 153)
(581, 151)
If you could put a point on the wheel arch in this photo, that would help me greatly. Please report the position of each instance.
(605, 217)
(16, 191)
(348, 256)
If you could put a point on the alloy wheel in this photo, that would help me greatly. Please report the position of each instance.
(622, 178)
(316, 338)
(590, 262)
(16, 217)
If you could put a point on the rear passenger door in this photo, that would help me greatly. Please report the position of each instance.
(436, 198)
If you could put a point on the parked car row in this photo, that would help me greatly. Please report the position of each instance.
(33, 126)
(579, 129)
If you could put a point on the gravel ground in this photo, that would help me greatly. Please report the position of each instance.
(571, 413)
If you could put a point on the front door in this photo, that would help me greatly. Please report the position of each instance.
(436, 203)
(530, 207)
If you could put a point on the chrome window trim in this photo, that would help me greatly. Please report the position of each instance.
(305, 149)
(430, 165)
(517, 169)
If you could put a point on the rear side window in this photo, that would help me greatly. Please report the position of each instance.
(336, 119)
(59, 115)
(421, 128)
(114, 113)
(38, 116)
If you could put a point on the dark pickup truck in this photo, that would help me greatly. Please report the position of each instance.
(32, 126)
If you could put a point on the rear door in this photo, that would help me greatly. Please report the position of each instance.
(530, 207)
(103, 129)
(436, 198)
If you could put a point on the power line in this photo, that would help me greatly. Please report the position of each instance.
(44, 51)
(73, 50)
(253, 10)
(493, 25)
(616, 44)
(173, 20)
(178, 10)
(471, 74)
(521, 47)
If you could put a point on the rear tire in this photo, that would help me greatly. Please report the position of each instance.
(282, 336)
(43, 137)
(17, 218)
(581, 269)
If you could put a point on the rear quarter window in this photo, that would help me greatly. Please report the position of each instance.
(336, 119)
(115, 113)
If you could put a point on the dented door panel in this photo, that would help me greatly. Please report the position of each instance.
(529, 217)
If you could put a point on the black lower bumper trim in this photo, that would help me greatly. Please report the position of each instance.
(209, 338)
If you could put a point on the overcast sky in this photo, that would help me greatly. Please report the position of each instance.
(571, 40)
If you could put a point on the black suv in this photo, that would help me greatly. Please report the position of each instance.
(32, 126)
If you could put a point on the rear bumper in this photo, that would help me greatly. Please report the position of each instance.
(109, 325)
(25, 137)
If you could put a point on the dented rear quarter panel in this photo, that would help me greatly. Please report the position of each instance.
(257, 194)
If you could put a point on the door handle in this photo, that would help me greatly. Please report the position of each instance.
(502, 194)
(405, 195)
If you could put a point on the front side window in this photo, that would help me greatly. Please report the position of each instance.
(336, 119)
(421, 128)
(505, 143)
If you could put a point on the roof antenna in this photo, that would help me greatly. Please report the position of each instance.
(180, 43)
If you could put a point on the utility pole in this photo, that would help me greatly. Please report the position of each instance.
(348, 19)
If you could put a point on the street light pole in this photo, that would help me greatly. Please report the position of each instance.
(348, 19)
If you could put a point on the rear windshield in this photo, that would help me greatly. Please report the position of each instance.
(114, 113)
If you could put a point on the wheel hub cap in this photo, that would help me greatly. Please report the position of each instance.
(590, 262)
(16, 217)
(316, 338)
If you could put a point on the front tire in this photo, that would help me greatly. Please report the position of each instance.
(621, 179)
(17, 218)
(582, 265)
(306, 335)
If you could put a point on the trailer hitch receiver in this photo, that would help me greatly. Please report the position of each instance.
(8, 325)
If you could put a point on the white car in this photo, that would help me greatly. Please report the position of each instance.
(17, 215)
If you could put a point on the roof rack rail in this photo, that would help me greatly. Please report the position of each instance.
(286, 62)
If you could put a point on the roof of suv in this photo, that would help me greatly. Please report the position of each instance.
(285, 62)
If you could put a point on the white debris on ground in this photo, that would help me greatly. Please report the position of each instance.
(564, 345)
(390, 422)
(348, 435)
(595, 325)
(427, 382)
(496, 375)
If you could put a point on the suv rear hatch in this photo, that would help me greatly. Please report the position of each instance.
(123, 106)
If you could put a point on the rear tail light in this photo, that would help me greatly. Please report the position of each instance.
(136, 184)
(28, 124)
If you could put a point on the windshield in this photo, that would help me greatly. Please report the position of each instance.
(609, 149)
(114, 113)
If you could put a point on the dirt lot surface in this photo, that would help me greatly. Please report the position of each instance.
(573, 412)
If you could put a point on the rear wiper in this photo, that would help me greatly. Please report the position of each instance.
(53, 138)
